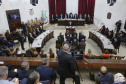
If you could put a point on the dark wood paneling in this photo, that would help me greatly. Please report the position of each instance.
(14, 24)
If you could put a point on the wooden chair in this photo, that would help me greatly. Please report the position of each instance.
(69, 40)
(58, 46)
(52, 55)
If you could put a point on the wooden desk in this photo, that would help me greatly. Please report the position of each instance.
(76, 22)
(101, 40)
(97, 63)
(71, 29)
(40, 41)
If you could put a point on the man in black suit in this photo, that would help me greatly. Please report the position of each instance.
(109, 36)
(34, 34)
(37, 32)
(56, 18)
(75, 16)
(41, 29)
(116, 42)
(21, 40)
(24, 72)
(11, 74)
(52, 19)
(89, 19)
(71, 16)
(30, 38)
(66, 65)
(118, 24)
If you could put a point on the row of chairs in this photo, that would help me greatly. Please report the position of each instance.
(101, 57)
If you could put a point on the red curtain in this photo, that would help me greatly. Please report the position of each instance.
(91, 6)
(51, 8)
(82, 7)
(60, 7)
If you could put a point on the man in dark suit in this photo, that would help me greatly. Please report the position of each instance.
(80, 16)
(68, 37)
(66, 16)
(24, 30)
(109, 36)
(21, 40)
(46, 73)
(118, 24)
(24, 72)
(34, 34)
(52, 19)
(116, 42)
(104, 76)
(66, 65)
(37, 32)
(59, 41)
(71, 16)
(56, 18)
(61, 16)
(75, 16)
(89, 19)
(41, 29)
(74, 33)
(11, 74)
(30, 38)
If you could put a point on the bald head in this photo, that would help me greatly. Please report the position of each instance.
(103, 70)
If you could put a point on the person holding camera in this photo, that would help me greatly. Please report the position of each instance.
(66, 65)
(104, 76)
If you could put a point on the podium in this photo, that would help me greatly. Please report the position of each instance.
(71, 29)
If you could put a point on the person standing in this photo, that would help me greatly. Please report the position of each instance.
(66, 65)
(118, 24)
(21, 40)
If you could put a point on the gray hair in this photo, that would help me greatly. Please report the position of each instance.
(44, 62)
(3, 71)
(33, 77)
(24, 65)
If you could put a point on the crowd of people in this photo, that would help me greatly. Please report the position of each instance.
(87, 17)
(26, 76)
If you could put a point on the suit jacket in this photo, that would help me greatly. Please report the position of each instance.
(80, 17)
(21, 38)
(23, 74)
(34, 35)
(12, 74)
(105, 78)
(68, 37)
(52, 18)
(71, 17)
(76, 17)
(31, 39)
(58, 42)
(46, 73)
(41, 30)
(37, 33)
(109, 36)
(82, 43)
(66, 64)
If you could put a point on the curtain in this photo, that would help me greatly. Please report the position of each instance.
(60, 7)
(82, 7)
(72, 6)
(51, 8)
(91, 6)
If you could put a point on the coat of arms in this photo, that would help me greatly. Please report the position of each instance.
(31, 11)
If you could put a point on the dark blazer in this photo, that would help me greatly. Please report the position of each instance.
(12, 74)
(34, 35)
(31, 39)
(41, 30)
(21, 38)
(23, 74)
(76, 17)
(109, 36)
(46, 73)
(66, 64)
(58, 42)
(68, 37)
(105, 78)
(37, 33)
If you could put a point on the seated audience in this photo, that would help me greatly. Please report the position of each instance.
(41, 29)
(4, 75)
(65, 42)
(24, 72)
(34, 52)
(82, 51)
(68, 37)
(34, 34)
(61, 16)
(66, 16)
(46, 73)
(71, 16)
(105, 54)
(11, 74)
(7, 43)
(56, 18)
(50, 53)
(11, 53)
(6, 51)
(119, 78)
(42, 54)
(37, 32)
(34, 78)
(85, 17)
(74, 33)
(30, 38)
(109, 36)
(89, 19)
(74, 42)
(89, 53)
(104, 76)
(52, 19)
(67, 33)
(80, 16)
(82, 42)
(75, 16)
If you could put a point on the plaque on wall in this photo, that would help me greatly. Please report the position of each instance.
(109, 15)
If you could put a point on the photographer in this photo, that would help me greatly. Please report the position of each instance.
(66, 65)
